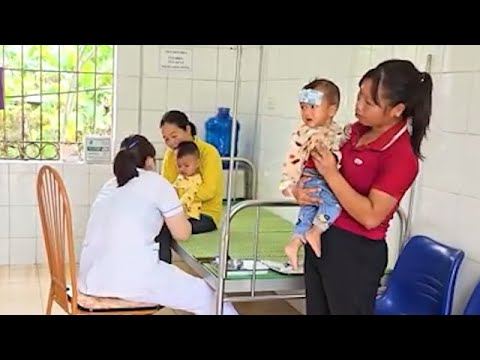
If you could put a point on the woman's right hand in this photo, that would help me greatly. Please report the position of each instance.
(305, 196)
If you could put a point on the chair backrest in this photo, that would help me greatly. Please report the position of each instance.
(56, 220)
(473, 304)
(423, 279)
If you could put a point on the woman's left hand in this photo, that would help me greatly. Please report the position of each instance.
(325, 162)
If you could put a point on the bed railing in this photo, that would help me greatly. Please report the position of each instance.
(225, 242)
(251, 184)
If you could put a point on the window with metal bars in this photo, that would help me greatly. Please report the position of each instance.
(52, 96)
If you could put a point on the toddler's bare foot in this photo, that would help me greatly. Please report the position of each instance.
(291, 250)
(313, 238)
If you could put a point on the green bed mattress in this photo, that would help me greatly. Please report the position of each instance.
(273, 236)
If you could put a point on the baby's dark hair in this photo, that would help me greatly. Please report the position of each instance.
(328, 87)
(187, 148)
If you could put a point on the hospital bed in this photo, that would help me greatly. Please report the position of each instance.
(255, 232)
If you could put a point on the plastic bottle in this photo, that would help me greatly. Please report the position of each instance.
(218, 131)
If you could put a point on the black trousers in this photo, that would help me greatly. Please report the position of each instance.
(345, 279)
(164, 238)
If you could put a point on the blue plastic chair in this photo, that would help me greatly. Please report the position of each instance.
(473, 304)
(422, 281)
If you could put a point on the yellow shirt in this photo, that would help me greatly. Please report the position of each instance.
(210, 193)
(187, 187)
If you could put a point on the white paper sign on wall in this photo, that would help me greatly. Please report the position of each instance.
(98, 149)
(176, 59)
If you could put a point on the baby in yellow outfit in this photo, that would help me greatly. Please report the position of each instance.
(189, 178)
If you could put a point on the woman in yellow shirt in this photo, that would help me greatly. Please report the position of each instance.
(176, 128)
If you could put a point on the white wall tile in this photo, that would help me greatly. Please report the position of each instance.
(437, 52)
(461, 58)
(199, 119)
(248, 98)
(151, 125)
(151, 62)
(361, 61)
(127, 92)
(179, 94)
(80, 218)
(468, 278)
(381, 53)
(128, 60)
(405, 52)
(205, 63)
(40, 255)
(226, 64)
(4, 222)
(22, 187)
(467, 221)
(4, 251)
(204, 95)
(247, 136)
(160, 148)
(442, 151)
(250, 64)
(469, 173)
(154, 94)
(274, 63)
(225, 94)
(76, 180)
(281, 99)
(95, 183)
(21, 168)
(23, 221)
(473, 122)
(23, 251)
(435, 218)
(451, 101)
(4, 186)
(126, 123)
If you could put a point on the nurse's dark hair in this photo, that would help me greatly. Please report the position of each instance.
(134, 151)
(179, 119)
(400, 82)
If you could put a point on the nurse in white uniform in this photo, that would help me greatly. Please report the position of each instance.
(118, 257)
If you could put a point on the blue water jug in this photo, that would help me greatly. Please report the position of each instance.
(218, 132)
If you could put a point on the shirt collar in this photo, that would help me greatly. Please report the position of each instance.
(385, 140)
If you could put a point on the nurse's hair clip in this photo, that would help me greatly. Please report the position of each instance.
(132, 145)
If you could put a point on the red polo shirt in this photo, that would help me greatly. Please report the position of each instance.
(387, 164)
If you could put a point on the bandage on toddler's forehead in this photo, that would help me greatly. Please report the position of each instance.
(310, 96)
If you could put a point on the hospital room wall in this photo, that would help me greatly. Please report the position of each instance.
(143, 92)
(448, 203)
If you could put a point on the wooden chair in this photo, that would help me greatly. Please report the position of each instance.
(56, 219)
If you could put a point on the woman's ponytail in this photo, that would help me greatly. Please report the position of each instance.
(193, 128)
(124, 167)
(421, 112)
(402, 83)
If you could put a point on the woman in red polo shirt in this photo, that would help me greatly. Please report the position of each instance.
(379, 164)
